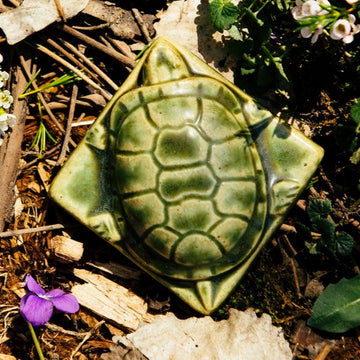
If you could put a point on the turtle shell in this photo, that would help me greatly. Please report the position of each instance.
(188, 177)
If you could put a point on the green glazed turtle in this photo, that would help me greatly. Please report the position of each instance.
(185, 175)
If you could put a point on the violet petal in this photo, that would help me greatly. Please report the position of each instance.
(33, 286)
(66, 303)
(35, 309)
(54, 293)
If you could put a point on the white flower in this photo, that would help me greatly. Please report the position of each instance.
(352, 2)
(345, 29)
(306, 33)
(7, 120)
(5, 99)
(3, 123)
(308, 8)
(3, 77)
(1, 58)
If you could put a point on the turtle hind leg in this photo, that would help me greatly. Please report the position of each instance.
(283, 193)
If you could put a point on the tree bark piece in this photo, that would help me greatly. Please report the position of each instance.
(10, 152)
(113, 268)
(110, 300)
(66, 249)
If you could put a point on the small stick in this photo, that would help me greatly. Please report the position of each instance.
(296, 280)
(354, 223)
(86, 338)
(90, 28)
(90, 64)
(323, 353)
(289, 245)
(60, 10)
(82, 123)
(44, 155)
(288, 228)
(141, 23)
(74, 69)
(116, 55)
(70, 119)
(301, 204)
(106, 42)
(30, 231)
(70, 57)
(42, 100)
(59, 329)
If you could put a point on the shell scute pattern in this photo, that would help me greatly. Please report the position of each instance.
(186, 179)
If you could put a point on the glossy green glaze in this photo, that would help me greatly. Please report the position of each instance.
(185, 175)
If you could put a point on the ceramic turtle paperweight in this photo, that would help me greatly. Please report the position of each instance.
(185, 175)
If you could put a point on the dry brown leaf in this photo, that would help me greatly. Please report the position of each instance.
(305, 338)
(7, 357)
(34, 15)
(243, 336)
(94, 99)
(44, 175)
(121, 22)
(191, 19)
(35, 187)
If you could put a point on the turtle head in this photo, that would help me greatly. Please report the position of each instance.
(164, 63)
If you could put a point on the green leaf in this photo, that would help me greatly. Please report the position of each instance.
(338, 308)
(327, 229)
(303, 230)
(355, 157)
(344, 244)
(355, 111)
(312, 248)
(317, 208)
(235, 33)
(223, 14)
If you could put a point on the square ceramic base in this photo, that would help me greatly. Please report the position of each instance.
(85, 185)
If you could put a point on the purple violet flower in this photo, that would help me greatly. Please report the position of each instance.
(37, 306)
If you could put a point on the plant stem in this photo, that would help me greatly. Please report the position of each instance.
(36, 342)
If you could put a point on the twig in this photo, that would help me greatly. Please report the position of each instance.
(82, 123)
(70, 57)
(30, 231)
(62, 155)
(10, 152)
(106, 42)
(301, 204)
(296, 279)
(42, 100)
(116, 55)
(90, 28)
(44, 155)
(323, 353)
(354, 223)
(289, 245)
(74, 69)
(86, 338)
(141, 23)
(90, 64)
(60, 10)
(288, 228)
(59, 329)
